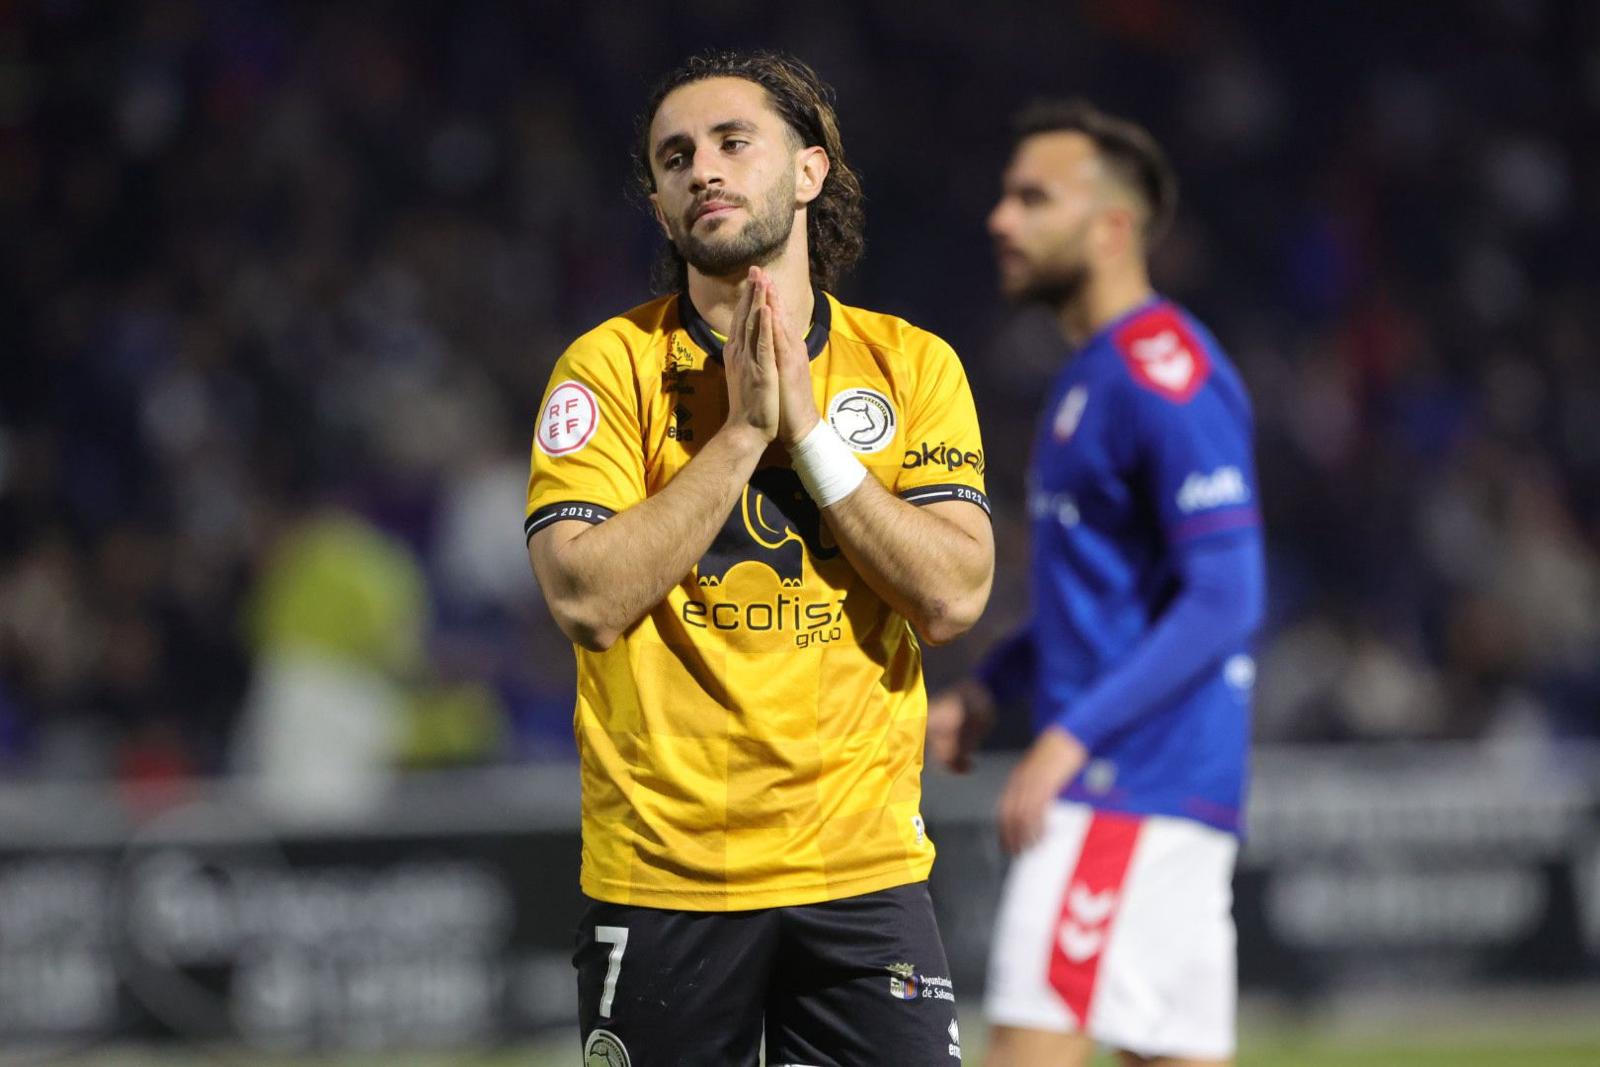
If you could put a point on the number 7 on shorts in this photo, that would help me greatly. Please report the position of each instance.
(617, 938)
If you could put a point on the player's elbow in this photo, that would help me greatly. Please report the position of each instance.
(591, 640)
(1229, 582)
(588, 636)
(579, 613)
(945, 620)
(583, 613)
(584, 625)
(939, 632)
(955, 594)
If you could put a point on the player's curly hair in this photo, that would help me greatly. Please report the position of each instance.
(835, 219)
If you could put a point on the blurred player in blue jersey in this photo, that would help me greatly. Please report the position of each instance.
(1147, 585)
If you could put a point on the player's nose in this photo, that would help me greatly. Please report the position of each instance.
(999, 221)
(705, 170)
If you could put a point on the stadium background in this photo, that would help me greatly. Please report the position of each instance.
(281, 282)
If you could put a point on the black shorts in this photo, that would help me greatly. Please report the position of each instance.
(859, 982)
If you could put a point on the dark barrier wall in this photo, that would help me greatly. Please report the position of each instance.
(430, 925)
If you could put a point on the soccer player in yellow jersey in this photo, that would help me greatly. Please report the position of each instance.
(747, 500)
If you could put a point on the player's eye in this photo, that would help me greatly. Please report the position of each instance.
(734, 144)
(1030, 197)
(674, 161)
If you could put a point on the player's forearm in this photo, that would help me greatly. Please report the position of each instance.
(1218, 608)
(923, 565)
(606, 577)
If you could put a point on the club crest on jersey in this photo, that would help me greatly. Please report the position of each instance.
(570, 417)
(1163, 355)
(605, 1049)
(863, 418)
(1070, 413)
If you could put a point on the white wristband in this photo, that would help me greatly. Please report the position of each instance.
(826, 466)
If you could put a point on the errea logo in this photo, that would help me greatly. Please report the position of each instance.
(1221, 488)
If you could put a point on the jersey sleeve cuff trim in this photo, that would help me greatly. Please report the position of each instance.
(567, 509)
(1217, 522)
(924, 495)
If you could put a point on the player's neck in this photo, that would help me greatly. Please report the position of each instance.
(1103, 299)
(715, 298)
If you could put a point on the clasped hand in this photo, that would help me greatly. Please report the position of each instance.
(768, 369)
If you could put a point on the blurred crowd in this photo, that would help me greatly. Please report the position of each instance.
(281, 284)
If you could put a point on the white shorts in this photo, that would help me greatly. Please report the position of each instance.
(1121, 927)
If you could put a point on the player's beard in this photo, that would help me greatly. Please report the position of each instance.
(1058, 281)
(758, 243)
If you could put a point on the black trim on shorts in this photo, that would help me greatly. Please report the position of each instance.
(923, 495)
(567, 509)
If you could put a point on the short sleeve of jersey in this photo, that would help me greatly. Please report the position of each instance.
(943, 447)
(1196, 455)
(588, 452)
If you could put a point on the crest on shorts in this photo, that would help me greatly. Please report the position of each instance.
(605, 1049)
(903, 981)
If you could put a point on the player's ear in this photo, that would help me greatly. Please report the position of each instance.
(1118, 231)
(811, 165)
(661, 219)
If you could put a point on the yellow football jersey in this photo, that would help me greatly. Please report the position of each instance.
(756, 739)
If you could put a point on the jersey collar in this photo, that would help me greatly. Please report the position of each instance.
(703, 335)
(1150, 303)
